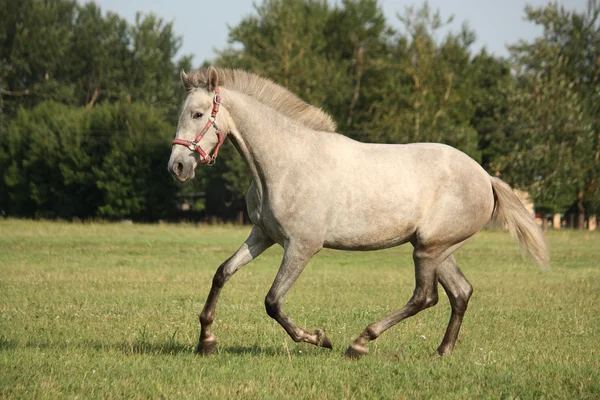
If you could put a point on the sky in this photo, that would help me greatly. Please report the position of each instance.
(204, 24)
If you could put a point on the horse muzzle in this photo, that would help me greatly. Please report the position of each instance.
(181, 169)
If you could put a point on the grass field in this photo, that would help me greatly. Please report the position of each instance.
(110, 311)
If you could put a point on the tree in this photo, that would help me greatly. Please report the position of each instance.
(285, 43)
(101, 44)
(34, 45)
(107, 162)
(424, 96)
(357, 44)
(131, 175)
(548, 137)
(59, 58)
(491, 80)
(569, 50)
(48, 173)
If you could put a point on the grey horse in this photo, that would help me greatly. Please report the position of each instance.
(313, 188)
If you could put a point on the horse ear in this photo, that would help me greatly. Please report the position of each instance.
(185, 79)
(213, 79)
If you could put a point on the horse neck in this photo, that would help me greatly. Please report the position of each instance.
(264, 138)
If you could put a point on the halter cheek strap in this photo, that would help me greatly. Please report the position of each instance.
(194, 145)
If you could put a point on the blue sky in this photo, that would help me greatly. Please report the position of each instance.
(203, 24)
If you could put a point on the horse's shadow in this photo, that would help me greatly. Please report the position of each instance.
(140, 347)
(250, 350)
(175, 348)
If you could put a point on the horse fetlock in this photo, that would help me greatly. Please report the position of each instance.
(206, 318)
(371, 332)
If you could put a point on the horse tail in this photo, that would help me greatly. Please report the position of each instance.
(509, 211)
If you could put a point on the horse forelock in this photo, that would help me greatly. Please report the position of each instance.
(267, 92)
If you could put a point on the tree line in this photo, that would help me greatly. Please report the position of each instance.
(89, 102)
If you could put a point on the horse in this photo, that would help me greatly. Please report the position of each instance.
(313, 188)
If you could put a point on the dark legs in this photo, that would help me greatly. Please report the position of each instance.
(430, 267)
(256, 243)
(424, 296)
(428, 270)
(459, 292)
(294, 260)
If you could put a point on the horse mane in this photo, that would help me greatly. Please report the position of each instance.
(267, 92)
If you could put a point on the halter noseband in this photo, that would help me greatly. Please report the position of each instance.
(194, 145)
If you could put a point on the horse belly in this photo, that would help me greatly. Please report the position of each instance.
(376, 226)
(365, 243)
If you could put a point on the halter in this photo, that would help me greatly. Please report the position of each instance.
(194, 145)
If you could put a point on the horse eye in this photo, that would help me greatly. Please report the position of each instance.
(197, 115)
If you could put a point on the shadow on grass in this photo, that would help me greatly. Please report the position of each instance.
(137, 347)
(140, 347)
(128, 348)
(250, 350)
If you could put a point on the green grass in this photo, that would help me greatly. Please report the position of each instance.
(110, 311)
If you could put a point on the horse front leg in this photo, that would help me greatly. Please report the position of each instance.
(295, 258)
(256, 243)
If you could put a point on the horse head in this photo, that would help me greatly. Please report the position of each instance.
(202, 127)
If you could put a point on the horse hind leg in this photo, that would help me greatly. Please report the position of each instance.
(424, 296)
(295, 258)
(459, 292)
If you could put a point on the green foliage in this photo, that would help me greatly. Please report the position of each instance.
(49, 168)
(549, 136)
(132, 174)
(426, 94)
(489, 94)
(76, 55)
(285, 42)
(35, 39)
(108, 161)
(556, 117)
(88, 107)
(533, 120)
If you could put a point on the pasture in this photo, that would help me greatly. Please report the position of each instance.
(101, 310)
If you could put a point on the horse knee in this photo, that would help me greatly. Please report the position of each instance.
(219, 279)
(223, 273)
(272, 306)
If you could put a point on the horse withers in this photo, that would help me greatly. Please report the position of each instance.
(313, 188)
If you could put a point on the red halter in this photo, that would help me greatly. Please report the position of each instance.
(194, 144)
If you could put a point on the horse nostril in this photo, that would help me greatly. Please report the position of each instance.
(178, 168)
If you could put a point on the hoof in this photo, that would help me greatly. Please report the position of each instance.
(322, 339)
(355, 352)
(207, 347)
